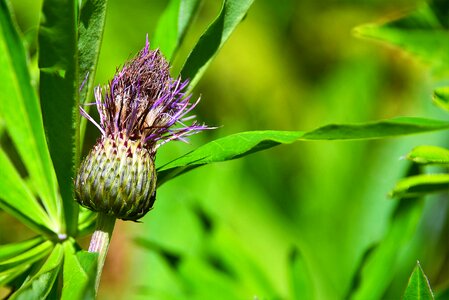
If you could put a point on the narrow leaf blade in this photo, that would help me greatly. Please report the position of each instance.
(90, 31)
(17, 199)
(59, 95)
(374, 130)
(90, 36)
(15, 258)
(27, 257)
(231, 14)
(19, 109)
(11, 250)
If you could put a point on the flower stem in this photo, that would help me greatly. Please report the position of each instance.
(100, 240)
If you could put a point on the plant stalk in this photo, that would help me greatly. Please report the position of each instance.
(100, 241)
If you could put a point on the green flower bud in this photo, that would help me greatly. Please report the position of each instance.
(117, 178)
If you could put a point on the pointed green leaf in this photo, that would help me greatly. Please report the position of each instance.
(76, 278)
(429, 155)
(19, 108)
(245, 143)
(40, 285)
(420, 185)
(441, 98)
(418, 287)
(231, 14)
(173, 25)
(90, 35)
(17, 199)
(420, 33)
(58, 63)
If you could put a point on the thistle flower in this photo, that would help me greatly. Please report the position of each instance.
(142, 108)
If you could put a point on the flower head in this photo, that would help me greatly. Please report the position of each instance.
(143, 102)
(142, 108)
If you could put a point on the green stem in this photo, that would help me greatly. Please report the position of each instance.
(100, 240)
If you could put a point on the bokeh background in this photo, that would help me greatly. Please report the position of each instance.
(299, 219)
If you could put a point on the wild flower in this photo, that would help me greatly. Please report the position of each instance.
(140, 109)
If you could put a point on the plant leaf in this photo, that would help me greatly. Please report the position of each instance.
(17, 199)
(12, 273)
(301, 284)
(28, 257)
(244, 143)
(420, 185)
(11, 250)
(173, 25)
(76, 277)
(374, 278)
(86, 221)
(19, 109)
(420, 33)
(89, 263)
(374, 130)
(90, 35)
(59, 95)
(40, 285)
(227, 148)
(418, 287)
(441, 98)
(429, 155)
(231, 14)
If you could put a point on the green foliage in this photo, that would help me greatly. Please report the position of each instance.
(18, 200)
(374, 277)
(244, 143)
(224, 257)
(40, 284)
(301, 283)
(418, 287)
(441, 97)
(429, 155)
(20, 257)
(422, 32)
(19, 108)
(231, 14)
(420, 185)
(58, 64)
(78, 273)
(92, 18)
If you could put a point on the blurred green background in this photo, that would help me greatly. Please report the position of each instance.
(303, 221)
